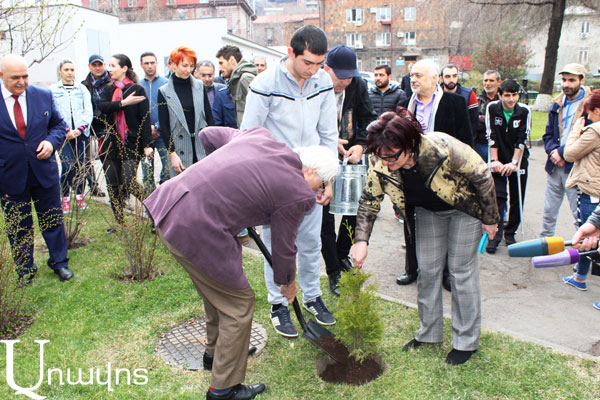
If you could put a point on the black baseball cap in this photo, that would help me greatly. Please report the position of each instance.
(342, 60)
(96, 57)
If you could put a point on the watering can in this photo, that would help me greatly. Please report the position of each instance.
(347, 188)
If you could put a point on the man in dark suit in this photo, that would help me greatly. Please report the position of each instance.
(436, 111)
(31, 129)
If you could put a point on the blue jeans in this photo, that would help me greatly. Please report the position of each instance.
(148, 168)
(72, 157)
(482, 150)
(584, 210)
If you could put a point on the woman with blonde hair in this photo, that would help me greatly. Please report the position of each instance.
(74, 102)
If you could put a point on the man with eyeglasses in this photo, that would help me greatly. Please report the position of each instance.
(294, 100)
(218, 95)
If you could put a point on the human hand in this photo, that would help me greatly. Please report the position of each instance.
(149, 152)
(354, 154)
(155, 132)
(44, 150)
(555, 157)
(358, 252)
(289, 291)
(132, 99)
(496, 166)
(178, 166)
(590, 234)
(324, 196)
(341, 148)
(578, 125)
(507, 169)
(490, 229)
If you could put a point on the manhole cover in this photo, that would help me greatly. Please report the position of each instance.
(183, 346)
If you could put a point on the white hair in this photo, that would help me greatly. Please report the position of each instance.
(430, 65)
(321, 159)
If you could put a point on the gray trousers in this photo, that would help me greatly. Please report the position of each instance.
(555, 192)
(453, 235)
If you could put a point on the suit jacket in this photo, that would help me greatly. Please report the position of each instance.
(17, 155)
(247, 179)
(451, 116)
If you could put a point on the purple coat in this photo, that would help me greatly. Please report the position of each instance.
(247, 179)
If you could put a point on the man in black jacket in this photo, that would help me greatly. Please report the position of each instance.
(385, 96)
(508, 124)
(355, 112)
(94, 82)
(436, 111)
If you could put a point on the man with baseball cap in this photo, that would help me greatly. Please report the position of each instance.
(564, 111)
(94, 82)
(354, 113)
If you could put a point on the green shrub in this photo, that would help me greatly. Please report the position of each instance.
(359, 321)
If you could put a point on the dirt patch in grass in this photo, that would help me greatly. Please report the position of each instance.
(129, 277)
(345, 369)
(22, 323)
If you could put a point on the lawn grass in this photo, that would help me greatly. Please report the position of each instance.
(538, 124)
(95, 319)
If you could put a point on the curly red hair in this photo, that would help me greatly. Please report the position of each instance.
(181, 53)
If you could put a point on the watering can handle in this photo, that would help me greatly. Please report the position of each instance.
(345, 162)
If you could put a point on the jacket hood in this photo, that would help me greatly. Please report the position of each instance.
(243, 67)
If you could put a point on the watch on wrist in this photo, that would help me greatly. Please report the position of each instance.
(514, 162)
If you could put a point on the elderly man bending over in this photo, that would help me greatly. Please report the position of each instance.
(248, 179)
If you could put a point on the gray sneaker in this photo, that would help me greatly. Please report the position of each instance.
(280, 318)
(321, 313)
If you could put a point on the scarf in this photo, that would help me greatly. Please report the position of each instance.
(97, 85)
(119, 116)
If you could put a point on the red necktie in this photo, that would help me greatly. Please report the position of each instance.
(19, 120)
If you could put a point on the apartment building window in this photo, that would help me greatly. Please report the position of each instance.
(354, 40)
(382, 61)
(410, 38)
(354, 15)
(170, 2)
(94, 4)
(131, 3)
(583, 56)
(383, 14)
(585, 27)
(410, 13)
(359, 64)
(382, 39)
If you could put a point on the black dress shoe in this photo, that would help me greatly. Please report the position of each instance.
(238, 392)
(446, 284)
(491, 247)
(457, 357)
(413, 344)
(334, 284)
(509, 239)
(405, 279)
(64, 273)
(346, 264)
(207, 359)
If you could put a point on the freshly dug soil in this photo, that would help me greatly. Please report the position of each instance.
(344, 369)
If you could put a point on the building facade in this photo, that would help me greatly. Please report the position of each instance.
(382, 34)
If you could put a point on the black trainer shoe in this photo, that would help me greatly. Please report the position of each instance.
(238, 392)
(280, 318)
(321, 313)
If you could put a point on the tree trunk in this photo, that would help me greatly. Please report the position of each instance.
(556, 22)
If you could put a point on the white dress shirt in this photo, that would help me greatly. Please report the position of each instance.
(10, 105)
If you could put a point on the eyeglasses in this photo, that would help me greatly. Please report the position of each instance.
(391, 157)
